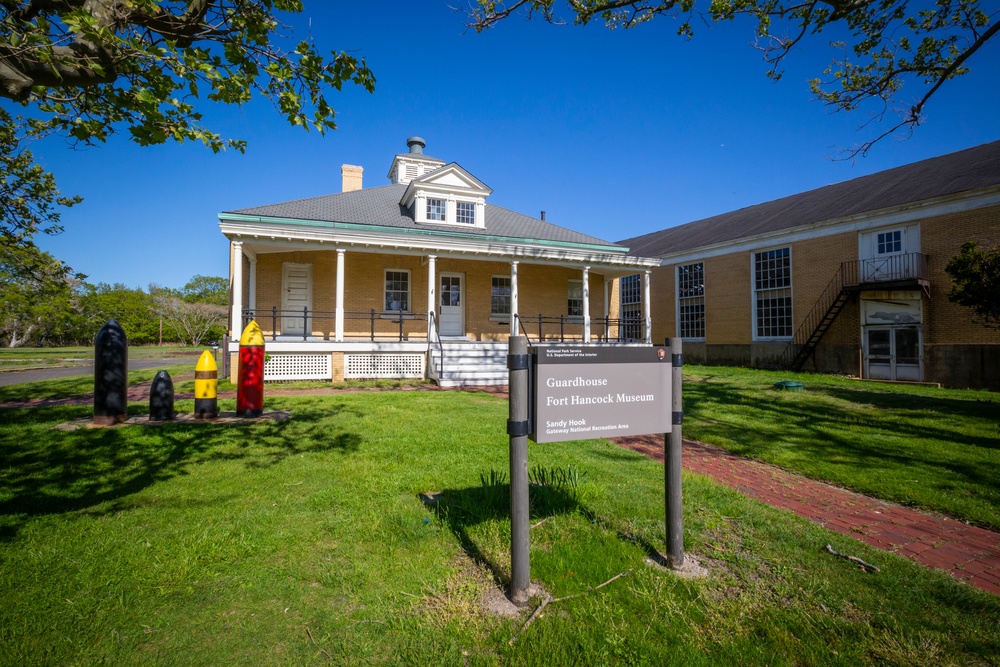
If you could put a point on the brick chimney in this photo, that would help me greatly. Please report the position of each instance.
(351, 177)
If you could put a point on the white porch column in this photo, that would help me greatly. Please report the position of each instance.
(607, 308)
(237, 314)
(431, 296)
(338, 334)
(513, 299)
(647, 320)
(252, 297)
(586, 304)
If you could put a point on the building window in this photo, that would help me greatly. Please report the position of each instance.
(575, 298)
(691, 300)
(773, 293)
(631, 307)
(436, 209)
(888, 243)
(500, 304)
(397, 290)
(465, 212)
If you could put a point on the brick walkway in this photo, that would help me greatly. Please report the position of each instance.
(966, 552)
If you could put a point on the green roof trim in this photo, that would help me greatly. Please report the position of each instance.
(239, 217)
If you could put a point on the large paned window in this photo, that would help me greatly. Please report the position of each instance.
(691, 300)
(465, 212)
(631, 307)
(574, 304)
(437, 209)
(773, 293)
(397, 290)
(500, 303)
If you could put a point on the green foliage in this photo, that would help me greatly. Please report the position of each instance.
(132, 307)
(975, 281)
(37, 303)
(883, 44)
(212, 290)
(86, 71)
(29, 198)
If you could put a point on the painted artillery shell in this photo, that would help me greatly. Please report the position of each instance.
(161, 398)
(206, 386)
(110, 375)
(250, 378)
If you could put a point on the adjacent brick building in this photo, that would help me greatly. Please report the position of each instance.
(848, 278)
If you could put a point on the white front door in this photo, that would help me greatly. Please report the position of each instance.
(452, 305)
(893, 353)
(296, 297)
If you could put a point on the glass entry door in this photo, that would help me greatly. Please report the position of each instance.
(893, 353)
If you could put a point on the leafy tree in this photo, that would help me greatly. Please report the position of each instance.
(206, 289)
(888, 42)
(28, 194)
(86, 70)
(196, 312)
(975, 281)
(36, 293)
(133, 308)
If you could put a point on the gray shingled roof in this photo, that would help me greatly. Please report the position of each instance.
(379, 207)
(963, 171)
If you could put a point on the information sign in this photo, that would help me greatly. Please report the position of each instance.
(582, 393)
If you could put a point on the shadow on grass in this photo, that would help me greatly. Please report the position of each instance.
(461, 509)
(70, 471)
(910, 443)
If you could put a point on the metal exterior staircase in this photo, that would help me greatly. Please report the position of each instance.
(892, 272)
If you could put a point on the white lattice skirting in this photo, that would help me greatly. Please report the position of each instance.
(384, 365)
(298, 367)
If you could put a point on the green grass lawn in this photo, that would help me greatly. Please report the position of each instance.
(306, 542)
(934, 448)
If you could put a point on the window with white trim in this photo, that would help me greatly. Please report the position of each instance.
(631, 306)
(691, 300)
(773, 293)
(574, 302)
(437, 209)
(500, 299)
(889, 243)
(465, 212)
(397, 290)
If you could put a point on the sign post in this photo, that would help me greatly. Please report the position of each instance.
(518, 427)
(672, 461)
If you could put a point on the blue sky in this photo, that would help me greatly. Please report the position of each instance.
(612, 133)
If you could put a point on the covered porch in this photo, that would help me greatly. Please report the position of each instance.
(335, 311)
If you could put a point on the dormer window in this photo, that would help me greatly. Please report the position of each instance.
(465, 213)
(441, 194)
(437, 210)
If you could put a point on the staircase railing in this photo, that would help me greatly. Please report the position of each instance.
(437, 339)
(849, 278)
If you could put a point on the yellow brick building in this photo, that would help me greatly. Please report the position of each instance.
(421, 277)
(849, 278)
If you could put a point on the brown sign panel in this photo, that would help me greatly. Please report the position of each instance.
(581, 393)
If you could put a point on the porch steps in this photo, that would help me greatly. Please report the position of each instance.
(469, 363)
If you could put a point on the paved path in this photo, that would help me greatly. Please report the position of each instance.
(83, 368)
(966, 552)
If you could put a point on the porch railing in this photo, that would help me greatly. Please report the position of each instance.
(540, 328)
(295, 323)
